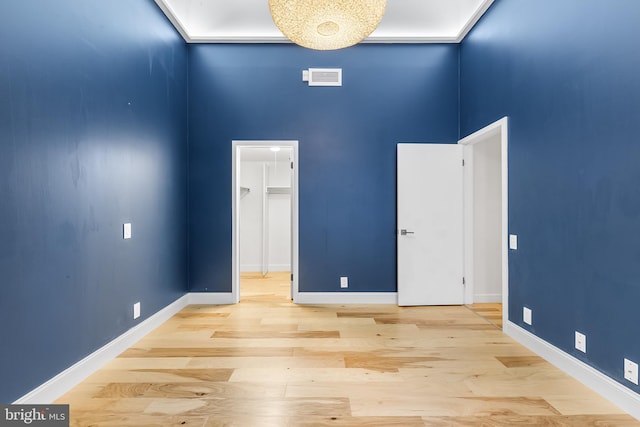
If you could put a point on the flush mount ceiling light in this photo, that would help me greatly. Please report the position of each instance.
(326, 24)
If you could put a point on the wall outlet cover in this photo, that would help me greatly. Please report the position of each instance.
(631, 371)
(136, 310)
(513, 242)
(581, 342)
(527, 316)
(344, 282)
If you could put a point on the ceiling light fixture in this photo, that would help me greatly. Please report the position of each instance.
(327, 24)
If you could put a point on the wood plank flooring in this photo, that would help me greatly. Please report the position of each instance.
(490, 311)
(268, 362)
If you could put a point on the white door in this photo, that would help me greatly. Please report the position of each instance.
(430, 222)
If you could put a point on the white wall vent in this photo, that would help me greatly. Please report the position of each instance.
(323, 76)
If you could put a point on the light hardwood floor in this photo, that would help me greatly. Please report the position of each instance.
(268, 362)
(490, 311)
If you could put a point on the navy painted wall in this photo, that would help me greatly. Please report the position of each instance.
(347, 149)
(566, 73)
(93, 130)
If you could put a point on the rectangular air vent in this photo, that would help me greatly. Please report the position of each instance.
(323, 76)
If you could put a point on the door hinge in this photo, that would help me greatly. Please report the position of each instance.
(291, 165)
(462, 162)
(292, 277)
(464, 281)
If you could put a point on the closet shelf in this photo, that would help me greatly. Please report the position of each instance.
(278, 190)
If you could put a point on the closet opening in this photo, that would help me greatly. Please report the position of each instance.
(265, 218)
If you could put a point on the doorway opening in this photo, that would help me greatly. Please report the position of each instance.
(486, 221)
(264, 216)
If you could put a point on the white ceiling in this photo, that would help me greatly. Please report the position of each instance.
(405, 21)
(264, 154)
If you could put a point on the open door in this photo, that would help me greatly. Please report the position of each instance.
(430, 224)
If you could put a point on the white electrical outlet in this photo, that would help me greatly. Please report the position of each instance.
(631, 371)
(126, 230)
(527, 316)
(513, 242)
(344, 282)
(581, 342)
(136, 310)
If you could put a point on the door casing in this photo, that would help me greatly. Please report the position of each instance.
(235, 212)
(498, 129)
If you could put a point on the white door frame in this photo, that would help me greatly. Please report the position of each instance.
(235, 213)
(498, 128)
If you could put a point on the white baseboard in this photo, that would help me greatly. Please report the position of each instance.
(608, 388)
(250, 268)
(279, 268)
(72, 376)
(346, 298)
(213, 298)
(48, 392)
(484, 298)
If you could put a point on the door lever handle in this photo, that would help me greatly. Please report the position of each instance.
(404, 232)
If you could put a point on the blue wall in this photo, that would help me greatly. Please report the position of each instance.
(93, 129)
(347, 151)
(566, 73)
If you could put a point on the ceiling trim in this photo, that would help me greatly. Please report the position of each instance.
(474, 19)
(172, 16)
(284, 40)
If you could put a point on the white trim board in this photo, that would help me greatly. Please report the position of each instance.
(273, 268)
(347, 298)
(608, 388)
(397, 36)
(474, 20)
(72, 376)
(57, 386)
(60, 384)
(236, 145)
(497, 128)
(487, 298)
(251, 268)
(211, 298)
(173, 18)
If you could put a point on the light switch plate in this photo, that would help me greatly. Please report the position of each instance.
(513, 242)
(126, 230)
(527, 315)
(581, 342)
